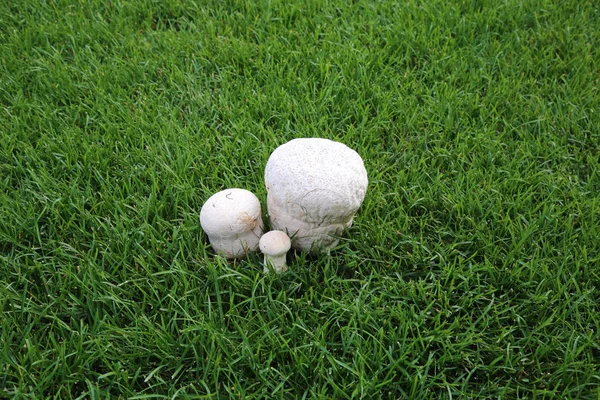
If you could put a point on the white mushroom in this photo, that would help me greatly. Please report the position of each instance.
(275, 245)
(314, 188)
(232, 220)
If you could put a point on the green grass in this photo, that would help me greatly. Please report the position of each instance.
(473, 266)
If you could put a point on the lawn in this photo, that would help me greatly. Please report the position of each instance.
(472, 269)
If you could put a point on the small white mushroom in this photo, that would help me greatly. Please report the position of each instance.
(232, 220)
(275, 245)
(314, 188)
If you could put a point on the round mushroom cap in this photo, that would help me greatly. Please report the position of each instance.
(275, 243)
(230, 213)
(316, 180)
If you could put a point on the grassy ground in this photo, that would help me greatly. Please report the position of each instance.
(473, 267)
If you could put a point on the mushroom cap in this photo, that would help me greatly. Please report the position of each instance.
(275, 243)
(316, 180)
(230, 213)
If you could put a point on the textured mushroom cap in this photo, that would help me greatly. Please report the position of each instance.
(230, 213)
(314, 188)
(275, 243)
(317, 178)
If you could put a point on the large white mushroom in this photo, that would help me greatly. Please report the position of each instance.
(232, 220)
(314, 189)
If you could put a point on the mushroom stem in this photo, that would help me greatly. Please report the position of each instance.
(278, 263)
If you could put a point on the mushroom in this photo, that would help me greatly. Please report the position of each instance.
(232, 220)
(275, 245)
(314, 188)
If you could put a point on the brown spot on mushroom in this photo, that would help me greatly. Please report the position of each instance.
(247, 219)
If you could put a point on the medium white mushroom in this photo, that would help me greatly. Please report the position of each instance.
(314, 188)
(232, 220)
(275, 245)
